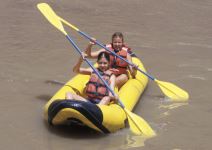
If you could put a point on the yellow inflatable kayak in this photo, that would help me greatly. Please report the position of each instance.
(102, 118)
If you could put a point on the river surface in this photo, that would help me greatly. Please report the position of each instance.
(173, 38)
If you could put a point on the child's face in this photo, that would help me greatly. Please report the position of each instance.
(103, 64)
(117, 43)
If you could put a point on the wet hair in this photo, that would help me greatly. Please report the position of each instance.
(104, 55)
(118, 34)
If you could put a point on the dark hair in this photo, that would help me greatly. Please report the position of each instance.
(104, 55)
(118, 34)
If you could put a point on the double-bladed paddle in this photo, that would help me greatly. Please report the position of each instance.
(169, 89)
(172, 91)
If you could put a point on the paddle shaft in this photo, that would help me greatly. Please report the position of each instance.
(94, 69)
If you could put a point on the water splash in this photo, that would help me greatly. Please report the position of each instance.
(133, 141)
(126, 140)
(167, 107)
(172, 106)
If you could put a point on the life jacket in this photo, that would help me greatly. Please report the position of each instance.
(95, 88)
(117, 63)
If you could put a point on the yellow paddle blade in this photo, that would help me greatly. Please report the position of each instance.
(50, 15)
(172, 91)
(67, 23)
(138, 125)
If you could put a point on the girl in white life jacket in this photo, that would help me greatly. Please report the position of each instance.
(95, 90)
(118, 66)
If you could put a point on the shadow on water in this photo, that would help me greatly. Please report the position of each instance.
(50, 82)
(155, 96)
(54, 82)
(74, 131)
(44, 97)
(122, 139)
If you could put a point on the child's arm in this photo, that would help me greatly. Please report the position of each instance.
(133, 71)
(77, 68)
(88, 50)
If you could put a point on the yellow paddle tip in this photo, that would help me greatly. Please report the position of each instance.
(138, 125)
(51, 16)
(172, 91)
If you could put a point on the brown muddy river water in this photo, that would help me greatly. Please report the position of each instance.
(172, 37)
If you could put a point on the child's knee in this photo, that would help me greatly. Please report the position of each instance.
(69, 95)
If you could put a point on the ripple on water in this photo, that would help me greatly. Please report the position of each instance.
(203, 67)
(209, 69)
(196, 77)
(127, 140)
